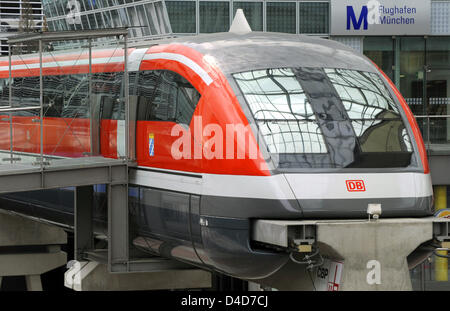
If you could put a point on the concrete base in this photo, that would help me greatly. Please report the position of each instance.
(374, 254)
(93, 276)
(30, 249)
(16, 230)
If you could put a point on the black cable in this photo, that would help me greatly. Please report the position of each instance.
(439, 255)
(310, 277)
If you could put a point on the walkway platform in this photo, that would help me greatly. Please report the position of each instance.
(62, 173)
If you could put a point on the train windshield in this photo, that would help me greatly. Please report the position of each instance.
(326, 118)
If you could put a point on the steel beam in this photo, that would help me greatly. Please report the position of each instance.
(84, 236)
(118, 231)
(68, 35)
(62, 173)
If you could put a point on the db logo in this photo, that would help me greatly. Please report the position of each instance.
(355, 185)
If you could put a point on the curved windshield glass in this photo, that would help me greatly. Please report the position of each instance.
(282, 111)
(315, 117)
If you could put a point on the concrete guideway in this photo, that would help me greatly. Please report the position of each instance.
(29, 249)
(373, 253)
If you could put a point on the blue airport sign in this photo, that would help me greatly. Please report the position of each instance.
(380, 17)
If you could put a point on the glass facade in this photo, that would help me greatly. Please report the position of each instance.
(10, 15)
(314, 17)
(295, 108)
(214, 16)
(381, 51)
(280, 17)
(276, 16)
(420, 67)
(146, 18)
(182, 15)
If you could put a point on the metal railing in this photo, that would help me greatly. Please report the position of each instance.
(435, 130)
(88, 35)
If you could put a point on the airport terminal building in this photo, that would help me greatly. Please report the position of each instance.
(408, 39)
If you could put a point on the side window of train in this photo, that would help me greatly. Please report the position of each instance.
(25, 92)
(53, 96)
(4, 92)
(76, 100)
(65, 96)
(106, 90)
(166, 96)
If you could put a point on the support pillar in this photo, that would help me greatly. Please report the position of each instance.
(373, 254)
(440, 263)
(33, 283)
(118, 232)
(84, 237)
(29, 248)
(94, 276)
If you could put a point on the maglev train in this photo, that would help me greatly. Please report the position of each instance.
(230, 128)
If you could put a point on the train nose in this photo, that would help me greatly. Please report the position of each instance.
(348, 195)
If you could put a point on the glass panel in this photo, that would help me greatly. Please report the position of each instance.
(107, 90)
(214, 16)
(166, 96)
(438, 52)
(153, 19)
(374, 114)
(85, 5)
(62, 7)
(115, 18)
(438, 88)
(85, 22)
(314, 17)
(253, 12)
(107, 19)
(364, 129)
(123, 17)
(281, 110)
(182, 16)
(281, 17)
(134, 21)
(381, 51)
(143, 20)
(363, 94)
(412, 61)
(98, 17)
(52, 11)
(92, 21)
(382, 135)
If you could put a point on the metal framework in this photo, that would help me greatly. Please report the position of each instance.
(80, 172)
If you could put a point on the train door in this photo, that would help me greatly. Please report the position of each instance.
(165, 100)
(107, 96)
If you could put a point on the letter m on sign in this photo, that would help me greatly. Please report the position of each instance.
(351, 18)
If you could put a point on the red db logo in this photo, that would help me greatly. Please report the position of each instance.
(355, 185)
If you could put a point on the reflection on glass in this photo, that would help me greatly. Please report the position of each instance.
(282, 111)
(363, 94)
(381, 51)
(375, 116)
(412, 61)
(382, 135)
